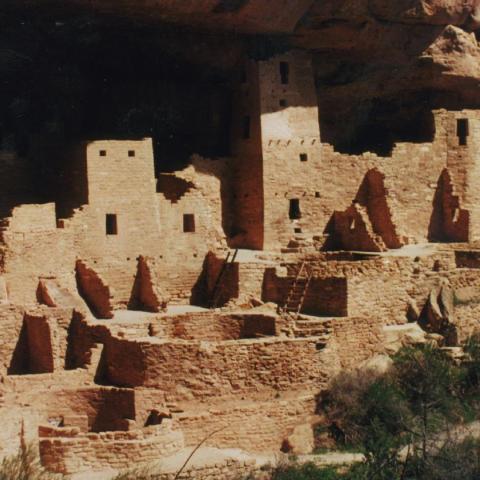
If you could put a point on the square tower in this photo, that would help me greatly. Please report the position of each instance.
(278, 152)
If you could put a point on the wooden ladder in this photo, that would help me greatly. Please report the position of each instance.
(218, 287)
(298, 291)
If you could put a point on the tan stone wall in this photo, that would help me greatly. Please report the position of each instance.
(247, 166)
(213, 326)
(324, 296)
(67, 450)
(227, 368)
(288, 132)
(357, 339)
(34, 247)
(11, 318)
(329, 181)
(121, 181)
(255, 425)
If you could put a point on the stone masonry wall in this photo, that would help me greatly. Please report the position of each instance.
(67, 450)
(228, 368)
(255, 426)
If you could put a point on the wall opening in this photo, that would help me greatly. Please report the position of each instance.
(111, 224)
(244, 75)
(229, 6)
(303, 157)
(102, 153)
(154, 418)
(462, 130)
(294, 211)
(283, 102)
(284, 72)
(189, 223)
(246, 127)
(131, 153)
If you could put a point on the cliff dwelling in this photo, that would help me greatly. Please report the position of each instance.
(208, 209)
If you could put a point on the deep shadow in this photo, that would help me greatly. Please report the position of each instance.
(448, 222)
(19, 363)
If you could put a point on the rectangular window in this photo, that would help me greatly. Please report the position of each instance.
(284, 72)
(102, 153)
(283, 102)
(229, 6)
(111, 224)
(244, 75)
(294, 211)
(189, 223)
(462, 130)
(131, 153)
(246, 127)
(303, 157)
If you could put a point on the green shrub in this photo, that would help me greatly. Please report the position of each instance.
(412, 407)
(306, 471)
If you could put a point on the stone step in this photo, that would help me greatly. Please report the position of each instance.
(311, 322)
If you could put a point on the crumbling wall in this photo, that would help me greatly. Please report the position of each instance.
(449, 222)
(147, 294)
(39, 339)
(352, 230)
(33, 247)
(95, 291)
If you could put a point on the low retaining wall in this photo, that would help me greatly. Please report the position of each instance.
(68, 450)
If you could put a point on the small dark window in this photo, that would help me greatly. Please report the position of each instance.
(283, 102)
(103, 153)
(303, 157)
(462, 130)
(154, 418)
(111, 224)
(244, 75)
(246, 127)
(229, 6)
(189, 223)
(317, 194)
(284, 72)
(294, 211)
(297, 230)
(131, 153)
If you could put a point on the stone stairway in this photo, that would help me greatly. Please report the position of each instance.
(309, 326)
